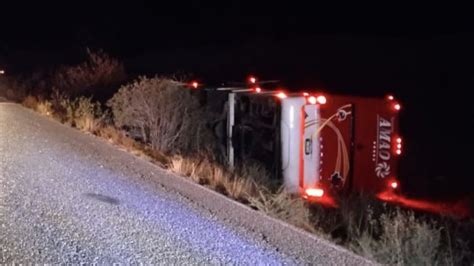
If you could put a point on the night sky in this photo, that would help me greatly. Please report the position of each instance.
(421, 53)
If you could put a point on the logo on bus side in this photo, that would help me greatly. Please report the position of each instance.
(384, 132)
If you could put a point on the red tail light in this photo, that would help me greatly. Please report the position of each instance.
(281, 95)
(312, 100)
(258, 90)
(252, 80)
(394, 184)
(314, 192)
(398, 147)
(397, 107)
(194, 84)
(321, 99)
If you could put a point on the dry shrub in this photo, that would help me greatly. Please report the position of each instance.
(398, 238)
(96, 75)
(162, 113)
(98, 72)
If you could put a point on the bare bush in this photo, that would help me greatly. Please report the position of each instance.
(94, 76)
(398, 238)
(161, 112)
(99, 71)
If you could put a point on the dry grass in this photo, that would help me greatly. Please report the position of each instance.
(156, 156)
(44, 108)
(212, 174)
(88, 124)
(284, 206)
(30, 102)
(239, 188)
(187, 167)
(117, 137)
(81, 113)
(111, 134)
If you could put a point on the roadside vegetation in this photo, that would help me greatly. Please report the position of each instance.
(160, 120)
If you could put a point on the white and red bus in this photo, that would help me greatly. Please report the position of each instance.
(319, 144)
(335, 144)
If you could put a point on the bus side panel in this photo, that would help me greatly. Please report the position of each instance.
(358, 143)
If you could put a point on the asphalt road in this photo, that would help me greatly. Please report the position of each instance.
(69, 197)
